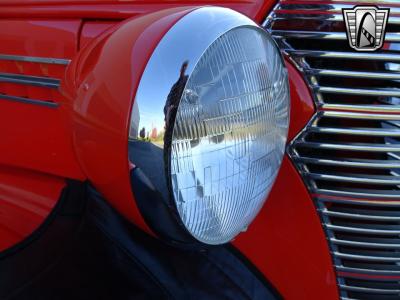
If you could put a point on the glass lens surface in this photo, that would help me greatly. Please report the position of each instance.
(229, 135)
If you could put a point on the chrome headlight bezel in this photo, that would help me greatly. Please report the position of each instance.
(183, 45)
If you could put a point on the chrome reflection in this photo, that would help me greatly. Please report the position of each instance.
(348, 154)
(171, 146)
(149, 137)
(229, 135)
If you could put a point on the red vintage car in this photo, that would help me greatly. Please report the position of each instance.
(244, 149)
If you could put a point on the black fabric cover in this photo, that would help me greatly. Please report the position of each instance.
(86, 250)
(162, 271)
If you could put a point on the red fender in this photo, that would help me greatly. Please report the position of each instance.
(103, 101)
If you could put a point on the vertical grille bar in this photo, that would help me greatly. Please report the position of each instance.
(354, 176)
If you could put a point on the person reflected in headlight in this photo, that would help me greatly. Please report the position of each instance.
(172, 103)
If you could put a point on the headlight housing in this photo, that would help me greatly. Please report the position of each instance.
(208, 127)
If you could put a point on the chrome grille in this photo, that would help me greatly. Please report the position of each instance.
(349, 153)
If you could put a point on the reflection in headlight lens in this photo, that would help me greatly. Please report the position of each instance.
(229, 134)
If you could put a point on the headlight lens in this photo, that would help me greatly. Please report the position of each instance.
(221, 87)
(229, 135)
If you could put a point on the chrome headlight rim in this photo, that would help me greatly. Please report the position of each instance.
(211, 23)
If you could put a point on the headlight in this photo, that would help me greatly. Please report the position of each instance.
(208, 127)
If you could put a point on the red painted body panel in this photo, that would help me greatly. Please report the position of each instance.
(120, 9)
(36, 137)
(26, 198)
(45, 38)
(302, 106)
(286, 242)
(35, 140)
(103, 102)
(40, 138)
(93, 29)
(34, 69)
